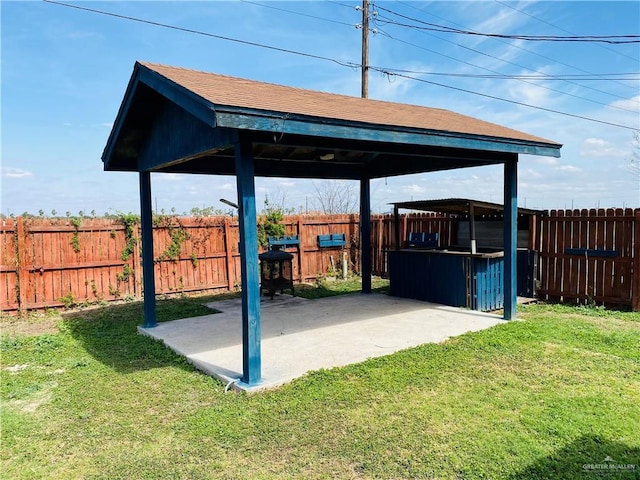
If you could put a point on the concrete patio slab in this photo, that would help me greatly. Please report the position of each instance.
(300, 335)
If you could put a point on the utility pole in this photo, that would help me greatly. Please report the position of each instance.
(365, 48)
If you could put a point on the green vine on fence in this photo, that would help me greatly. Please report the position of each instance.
(126, 274)
(129, 220)
(75, 239)
(178, 235)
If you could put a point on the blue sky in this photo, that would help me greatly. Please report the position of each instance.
(64, 73)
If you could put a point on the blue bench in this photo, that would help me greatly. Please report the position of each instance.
(422, 239)
(286, 241)
(332, 240)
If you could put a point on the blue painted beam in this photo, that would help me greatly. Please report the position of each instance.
(275, 122)
(146, 223)
(510, 238)
(365, 233)
(177, 136)
(251, 323)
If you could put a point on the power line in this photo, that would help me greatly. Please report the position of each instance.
(493, 97)
(531, 52)
(612, 39)
(591, 76)
(299, 13)
(601, 76)
(562, 29)
(500, 76)
(517, 65)
(506, 61)
(352, 7)
(388, 72)
(206, 34)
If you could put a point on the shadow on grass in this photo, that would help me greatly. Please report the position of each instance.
(589, 457)
(110, 334)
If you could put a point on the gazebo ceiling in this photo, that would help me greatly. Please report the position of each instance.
(185, 121)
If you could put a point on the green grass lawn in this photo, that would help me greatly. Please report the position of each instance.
(533, 399)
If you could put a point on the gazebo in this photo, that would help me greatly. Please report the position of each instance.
(176, 120)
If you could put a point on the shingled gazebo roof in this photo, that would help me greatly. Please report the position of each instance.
(296, 132)
(239, 92)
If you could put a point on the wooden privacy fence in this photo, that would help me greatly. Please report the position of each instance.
(591, 256)
(57, 262)
(585, 256)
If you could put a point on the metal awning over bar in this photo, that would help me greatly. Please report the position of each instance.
(456, 206)
(460, 206)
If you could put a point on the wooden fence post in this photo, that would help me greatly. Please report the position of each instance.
(379, 255)
(228, 248)
(301, 249)
(635, 280)
(22, 270)
(136, 260)
(533, 231)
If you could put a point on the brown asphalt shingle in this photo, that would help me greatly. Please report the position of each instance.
(238, 92)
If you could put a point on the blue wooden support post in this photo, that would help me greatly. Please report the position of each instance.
(510, 238)
(251, 355)
(365, 233)
(148, 278)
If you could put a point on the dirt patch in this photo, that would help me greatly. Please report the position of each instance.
(31, 404)
(29, 326)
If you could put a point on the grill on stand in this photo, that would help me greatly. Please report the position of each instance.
(276, 272)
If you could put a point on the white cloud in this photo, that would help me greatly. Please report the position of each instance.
(547, 160)
(287, 184)
(530, 94)
(169, 177)
(413, 188)
(632, 103)
(9, 172)
(532, 173)
(568, 168)
(598, 147)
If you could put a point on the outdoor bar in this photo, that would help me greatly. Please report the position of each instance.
(469, 271)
